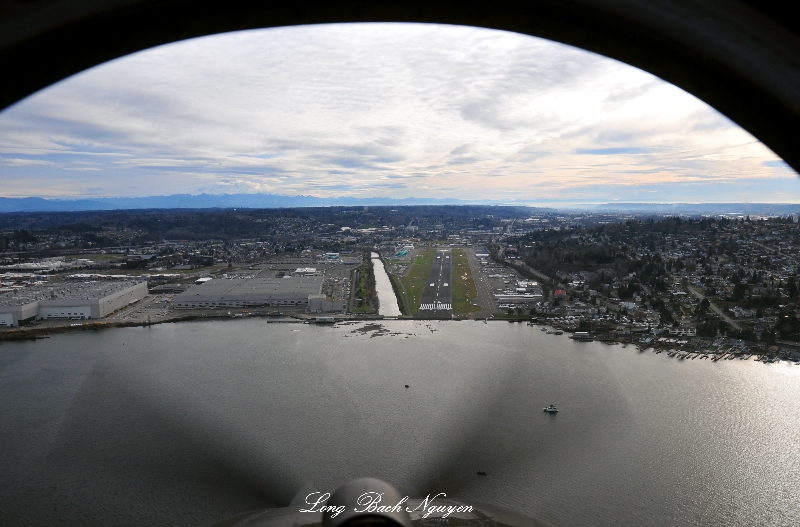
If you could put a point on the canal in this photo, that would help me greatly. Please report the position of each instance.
(387, 300)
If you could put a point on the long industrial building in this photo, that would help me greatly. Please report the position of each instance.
(251, 292)
(67, 300)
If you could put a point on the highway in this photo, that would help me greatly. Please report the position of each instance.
(437, 298)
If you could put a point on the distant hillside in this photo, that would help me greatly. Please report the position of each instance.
(269, 201)
(780, 209)
(209, 201)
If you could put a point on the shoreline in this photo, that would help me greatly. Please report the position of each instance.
(673, 350)
(37, 332)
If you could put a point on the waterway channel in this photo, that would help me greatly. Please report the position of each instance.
(387, 300)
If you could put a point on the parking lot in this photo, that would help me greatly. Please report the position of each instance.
(156, 307)
(493, 280)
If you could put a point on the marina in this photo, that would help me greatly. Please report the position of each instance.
(723, 348)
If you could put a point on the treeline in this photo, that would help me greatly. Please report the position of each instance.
(17, 237)
(560, 256)
(604, 264)
(228, 224)
(366, 294)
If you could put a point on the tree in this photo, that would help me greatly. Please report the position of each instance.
(792, 289)
(708, 329)
(703, 307)
(744, 334)
(788, 326)
(739, 292)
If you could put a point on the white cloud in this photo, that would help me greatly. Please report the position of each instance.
(375, 109)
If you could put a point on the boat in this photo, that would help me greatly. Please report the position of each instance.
(551, 409)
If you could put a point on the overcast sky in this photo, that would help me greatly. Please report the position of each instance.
(365, 110)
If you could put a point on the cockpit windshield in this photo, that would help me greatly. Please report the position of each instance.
(240, 271)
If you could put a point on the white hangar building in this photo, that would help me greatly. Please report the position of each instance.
(68, 300)
(250, 292)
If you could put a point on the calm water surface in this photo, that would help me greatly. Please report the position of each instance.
(182, 424)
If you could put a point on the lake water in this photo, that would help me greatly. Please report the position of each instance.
(387, 300)
(182, 424)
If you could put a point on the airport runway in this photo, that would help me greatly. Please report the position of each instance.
(437, 299)
(485, 299)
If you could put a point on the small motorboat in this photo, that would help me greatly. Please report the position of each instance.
(551, 409)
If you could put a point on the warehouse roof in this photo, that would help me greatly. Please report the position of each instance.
(62, 291)
(255, 286)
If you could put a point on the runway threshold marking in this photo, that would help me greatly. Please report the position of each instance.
(436, 307)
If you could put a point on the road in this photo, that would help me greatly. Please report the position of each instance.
(352, 295)
(437, 298)
(519, 264)
(715, 309)
(770, 249)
